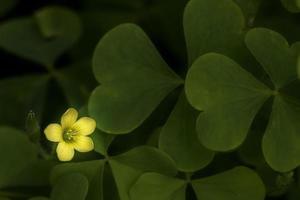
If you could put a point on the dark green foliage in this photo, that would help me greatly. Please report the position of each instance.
(193, 99)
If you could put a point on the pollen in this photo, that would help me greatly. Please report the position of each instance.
(68, 135)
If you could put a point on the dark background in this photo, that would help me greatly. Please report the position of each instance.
(157, 24)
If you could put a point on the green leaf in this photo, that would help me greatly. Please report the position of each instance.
(227, 94)
(179, 139)
(240, 96)
(134, 80)
(129, 166)
(291, 5)
(93, 170)
(16, 153)
(70, 187)
(153, 186)
(77, 82)
(36, 174)
(19, 95)
(213, 26)
(273, 52)
(6, 6)
(239, 183)
(102, 141)
(148, 158)
(281, 145)
(281, 151)
(43, 37)
(124, 176)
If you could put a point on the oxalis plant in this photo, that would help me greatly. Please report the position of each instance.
(226, 127)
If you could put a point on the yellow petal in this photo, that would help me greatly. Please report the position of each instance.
(69, 118)
(54, 132)
(83, 144)
(65, 151)
(84, 126)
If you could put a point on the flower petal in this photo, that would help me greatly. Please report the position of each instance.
(54, 132)
(85, 126)
(65, 151)
(69, 118)
(83, 144)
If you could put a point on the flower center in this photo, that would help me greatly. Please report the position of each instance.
(68, 135)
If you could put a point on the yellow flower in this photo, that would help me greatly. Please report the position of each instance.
(71, 135)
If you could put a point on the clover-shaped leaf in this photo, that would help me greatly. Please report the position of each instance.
(134, 80)
(229, 94)
(92, 170)
(276, 56)
(126, 168)
(280, 142)
(42, 37)
(156, 186)
(281, 145)
(179, 139)
(129, 166)
(239, 183)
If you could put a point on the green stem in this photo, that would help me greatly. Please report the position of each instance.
(188, 177)
(52, 70)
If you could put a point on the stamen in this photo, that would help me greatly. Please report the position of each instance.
(68, 135)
